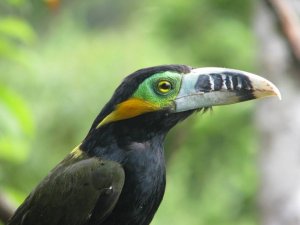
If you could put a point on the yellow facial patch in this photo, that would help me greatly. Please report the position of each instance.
(130, 108)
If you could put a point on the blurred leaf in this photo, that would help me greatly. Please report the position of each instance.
(16, 126)
(17, 29)
(9, 50)
(14, 32)
(16, 2)
(13, 150)
(18, 108)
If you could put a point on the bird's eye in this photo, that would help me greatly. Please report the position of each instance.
(164, 86)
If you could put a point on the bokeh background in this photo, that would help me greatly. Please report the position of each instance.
(60, 61)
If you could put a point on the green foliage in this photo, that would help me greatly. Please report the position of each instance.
(16, 127)
(17, 29)
(212, 175)
(17, 124)
(58, 68)
(15, 2)
(13, 33)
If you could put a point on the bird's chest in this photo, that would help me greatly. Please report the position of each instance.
(143, 189)
(145, 181)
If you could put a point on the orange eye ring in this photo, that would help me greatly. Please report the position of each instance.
(164, 86)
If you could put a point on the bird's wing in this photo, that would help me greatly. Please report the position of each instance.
(71, 192)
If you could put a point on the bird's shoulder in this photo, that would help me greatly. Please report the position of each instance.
(71, 192)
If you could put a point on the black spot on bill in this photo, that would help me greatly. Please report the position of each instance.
(246, 83)
(203, 84)
(217, 79)
(227, 82)
(234, 82)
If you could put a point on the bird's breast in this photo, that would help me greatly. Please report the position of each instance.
(144, 185)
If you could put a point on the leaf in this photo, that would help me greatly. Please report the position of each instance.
(16, 2)
(16, 126)
(13, 150)
(18, 108)
(17, 29)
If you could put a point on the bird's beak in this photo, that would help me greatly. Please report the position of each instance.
(206, 87)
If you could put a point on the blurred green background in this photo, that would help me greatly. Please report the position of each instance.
(61, 61)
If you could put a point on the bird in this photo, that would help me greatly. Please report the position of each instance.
(117, 174)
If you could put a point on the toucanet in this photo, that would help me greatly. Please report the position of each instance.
(116, 175)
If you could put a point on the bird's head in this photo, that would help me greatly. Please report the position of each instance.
(159, 97)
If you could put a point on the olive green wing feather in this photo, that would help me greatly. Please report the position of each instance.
(70, 193)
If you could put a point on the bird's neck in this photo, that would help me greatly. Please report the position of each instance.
(147, 128)
(121, 136)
